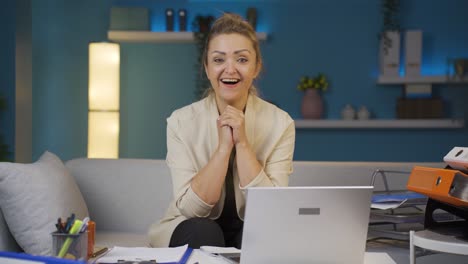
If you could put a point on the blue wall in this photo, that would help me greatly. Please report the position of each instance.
(7, 71)
(336, 37)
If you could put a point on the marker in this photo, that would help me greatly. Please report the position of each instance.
(73, 231)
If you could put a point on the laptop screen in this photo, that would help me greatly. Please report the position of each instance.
(306, 224)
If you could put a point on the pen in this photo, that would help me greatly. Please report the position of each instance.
(84, 226)
(99, 252)
(73, 231)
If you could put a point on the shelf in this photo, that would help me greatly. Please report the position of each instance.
(381, 123)
(158, 37)
(429, 79)
(437, 242)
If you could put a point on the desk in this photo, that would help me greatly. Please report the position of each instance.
(369, 258)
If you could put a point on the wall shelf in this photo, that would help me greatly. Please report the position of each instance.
(381, 124)
(429, 79)
(158, 37)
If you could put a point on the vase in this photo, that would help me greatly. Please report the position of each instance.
(312, 104)
(390, 54)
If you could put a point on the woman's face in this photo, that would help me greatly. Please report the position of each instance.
(231, 68)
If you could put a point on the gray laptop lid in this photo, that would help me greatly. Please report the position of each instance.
(306, 224)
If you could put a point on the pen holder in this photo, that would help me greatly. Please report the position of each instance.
(70, 246)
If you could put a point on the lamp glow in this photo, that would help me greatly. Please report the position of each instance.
(104, 97)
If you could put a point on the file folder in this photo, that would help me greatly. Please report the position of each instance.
(13, 257)
(445, 185)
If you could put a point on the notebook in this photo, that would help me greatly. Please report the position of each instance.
(306, 224)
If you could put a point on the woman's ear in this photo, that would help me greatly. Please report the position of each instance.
(258, 67)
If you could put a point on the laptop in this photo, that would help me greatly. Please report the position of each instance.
(306, 224)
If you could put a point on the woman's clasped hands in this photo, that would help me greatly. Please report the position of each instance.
(231, 128)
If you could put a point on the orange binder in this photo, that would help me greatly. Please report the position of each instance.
(448, 186)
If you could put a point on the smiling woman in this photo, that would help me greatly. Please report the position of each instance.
(223, 144)
(231, 68)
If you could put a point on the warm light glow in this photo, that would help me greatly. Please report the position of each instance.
(104, 100)
(104, 77)
(103, 134)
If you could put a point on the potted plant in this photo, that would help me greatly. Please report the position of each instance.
(201, 26)
(3, 147)
(390, 38)
(312, 103)
(319, 82)
(391, 22)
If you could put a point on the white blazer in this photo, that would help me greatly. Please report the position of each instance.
(192, 138)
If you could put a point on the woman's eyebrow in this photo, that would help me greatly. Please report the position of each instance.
(220, 52)
(239, 51)
(235, 52)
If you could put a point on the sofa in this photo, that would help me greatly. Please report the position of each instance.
(125, 196)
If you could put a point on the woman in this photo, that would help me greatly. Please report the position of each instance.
(223, 144)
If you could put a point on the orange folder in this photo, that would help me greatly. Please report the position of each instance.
(444, 185)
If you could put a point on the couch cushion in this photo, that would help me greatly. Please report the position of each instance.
(121, 239)
(349, 173)
(7, 241)
(123, 195)
(33, 196)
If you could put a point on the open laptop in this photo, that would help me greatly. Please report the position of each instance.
(306, 225)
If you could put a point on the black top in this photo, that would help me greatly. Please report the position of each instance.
(229, 220)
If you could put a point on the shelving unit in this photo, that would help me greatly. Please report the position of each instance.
(381, 124)
(430, 79)
(158, 37)
(436, 242)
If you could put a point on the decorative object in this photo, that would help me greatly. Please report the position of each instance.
(129, 18)
(252, 17)
(390, 39)
(413, 51)
(312, 103)
(363, 113)
(182, 20)
(3, 147)
(457, 69)
(201, 26)
(419, 108)
(31, 209)
(461, 68)
(348, 112)
(390, 56)
(104, 97)
(417, 90)
(169, 19)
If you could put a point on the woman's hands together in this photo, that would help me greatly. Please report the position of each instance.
(231, 128)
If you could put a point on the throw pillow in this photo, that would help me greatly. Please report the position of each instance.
(32, 198)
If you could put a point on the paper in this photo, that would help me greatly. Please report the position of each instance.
(397, 197)
(219, 250)
(161, 255)
(387, 205)
(392, 201)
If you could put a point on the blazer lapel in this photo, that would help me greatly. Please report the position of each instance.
(213, 130)
(249, 120)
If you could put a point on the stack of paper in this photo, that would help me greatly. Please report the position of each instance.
(135, 254)
(392, 201)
